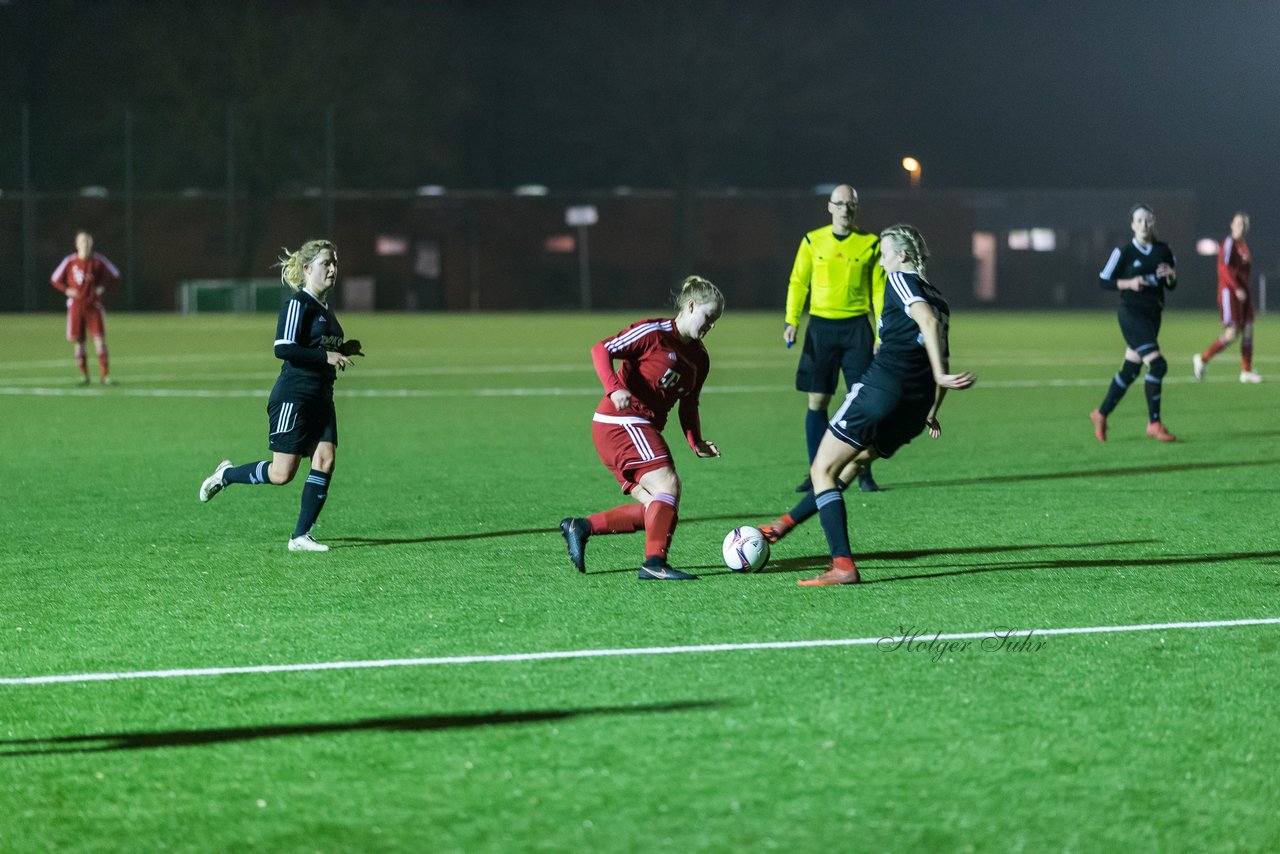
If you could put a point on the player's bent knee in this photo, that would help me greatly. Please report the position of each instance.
(1158, 367)
(660, 481)
(281, 473)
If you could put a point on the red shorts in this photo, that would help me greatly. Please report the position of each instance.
(80, 318)
(1234, 311)
(629, 447)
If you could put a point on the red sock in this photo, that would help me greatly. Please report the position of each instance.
(1246, 356)
(845, 563)
(1214, 349)
(619, 520)
(102, 363)
(82, 360)
(660, 518)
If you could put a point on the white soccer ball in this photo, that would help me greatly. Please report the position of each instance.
(745, 549)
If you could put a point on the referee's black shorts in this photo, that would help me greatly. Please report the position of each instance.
(1140, 328)
(833, 346)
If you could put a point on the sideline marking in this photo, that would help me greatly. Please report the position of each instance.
(608, 653)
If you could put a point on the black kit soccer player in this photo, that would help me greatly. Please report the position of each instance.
(300, 412)
(893, 402)
(663, 365)
(837, 269)
(1141, 270)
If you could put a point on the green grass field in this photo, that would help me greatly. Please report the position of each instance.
(465, 439)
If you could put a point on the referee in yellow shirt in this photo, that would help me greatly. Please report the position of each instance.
(837, 270)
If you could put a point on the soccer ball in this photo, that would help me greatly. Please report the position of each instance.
(745, 549)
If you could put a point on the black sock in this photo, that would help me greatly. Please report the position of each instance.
(835, 522)
(806, 508)
(1154, 385)
(1119, 385)
(314, 492)
(248, 473)
(815, 426)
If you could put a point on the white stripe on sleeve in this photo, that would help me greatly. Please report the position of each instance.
(1111, 265)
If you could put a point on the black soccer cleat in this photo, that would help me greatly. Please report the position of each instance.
(657, 569)
(576, 532)
(805, 485)
(867, 483)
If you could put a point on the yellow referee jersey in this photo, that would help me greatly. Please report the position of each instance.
(840, 278)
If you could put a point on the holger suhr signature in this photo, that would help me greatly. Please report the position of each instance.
(938, 646)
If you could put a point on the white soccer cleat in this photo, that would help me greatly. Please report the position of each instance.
(1197, 366)
(213, 483)
(1250, 377)
(306, 544)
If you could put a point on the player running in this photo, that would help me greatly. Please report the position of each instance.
(1141, 270)
(1234, 301)
(300, 412)
(663, 362)
(897, 398)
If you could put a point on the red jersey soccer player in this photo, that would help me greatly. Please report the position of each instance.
(1234, 301)
(83, 276)
(663, 364)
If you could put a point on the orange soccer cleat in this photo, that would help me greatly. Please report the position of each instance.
(1099, 424)
(1156, 430)
(777, 529)
(841, 571)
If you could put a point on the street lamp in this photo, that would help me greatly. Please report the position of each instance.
(913, 168)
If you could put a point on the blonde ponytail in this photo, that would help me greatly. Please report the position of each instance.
(291, 264)
(909, 240)
(701, 291)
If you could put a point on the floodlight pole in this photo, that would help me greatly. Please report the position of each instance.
(30, 301)
(583, 217)
(584, 269)
(231, 192)
(130, 269)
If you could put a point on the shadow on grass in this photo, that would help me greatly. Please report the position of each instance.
(804, 564)
(1095, 563)
(1068, 475)
(117, 741)
(809, 563)
(366, 542)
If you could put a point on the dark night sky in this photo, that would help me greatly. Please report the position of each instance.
(1001, 94)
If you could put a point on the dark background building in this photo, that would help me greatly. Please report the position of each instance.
(196, 138)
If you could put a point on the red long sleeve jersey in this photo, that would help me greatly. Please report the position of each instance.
(659, 368)
(1234, 264)
(85, 276)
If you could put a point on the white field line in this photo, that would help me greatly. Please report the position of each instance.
(734, 358)
(884, 641)
(550, 391)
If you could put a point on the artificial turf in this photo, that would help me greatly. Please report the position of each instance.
(464, 439)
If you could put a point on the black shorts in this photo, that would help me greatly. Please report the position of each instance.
(297, 426)
(832, 346)
(883, 411)
(1140, 329)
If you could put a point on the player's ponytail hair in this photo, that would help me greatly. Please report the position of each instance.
(701, 291)
(909, 240)
(291, 263)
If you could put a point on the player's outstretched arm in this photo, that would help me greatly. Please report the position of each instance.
(922, 313)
